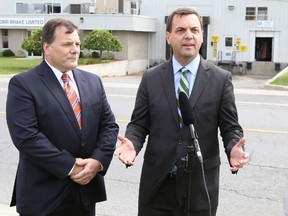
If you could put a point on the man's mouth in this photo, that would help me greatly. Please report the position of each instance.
(188, 45)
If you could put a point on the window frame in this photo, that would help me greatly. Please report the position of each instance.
(256, 13)
(5, 39)
(250, 13)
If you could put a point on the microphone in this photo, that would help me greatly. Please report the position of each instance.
(189, 120)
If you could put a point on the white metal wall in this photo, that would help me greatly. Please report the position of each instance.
(225, 22)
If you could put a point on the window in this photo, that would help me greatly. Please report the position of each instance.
(134, 8)
(56, 8)
(5, 38)
(52, 8)
(37, 8)
(262, 13)
(120, 6)
(250, 13)
(21, 8)
(75, 8)
(228, 41)
(253, 13)
(46, 8)
(85, 8)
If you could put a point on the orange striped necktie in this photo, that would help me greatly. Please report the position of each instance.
(73, 99)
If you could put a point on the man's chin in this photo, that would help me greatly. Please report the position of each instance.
(74, 64)
(188, 57)
(188, 53)
(71, 66)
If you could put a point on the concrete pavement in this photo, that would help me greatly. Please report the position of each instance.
(247, 84)
(5, 210)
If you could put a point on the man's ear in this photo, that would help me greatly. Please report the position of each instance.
(46, 48)
(168, 37)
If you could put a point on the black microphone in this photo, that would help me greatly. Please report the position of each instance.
(189, 120)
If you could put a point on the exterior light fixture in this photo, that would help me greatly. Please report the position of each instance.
(231, 7)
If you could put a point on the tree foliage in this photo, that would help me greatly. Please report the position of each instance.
(33, 42)
(102, 40)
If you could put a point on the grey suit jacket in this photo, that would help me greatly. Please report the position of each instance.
(44, 129)
(155, 114)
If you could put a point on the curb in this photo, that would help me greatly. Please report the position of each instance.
(277, 87)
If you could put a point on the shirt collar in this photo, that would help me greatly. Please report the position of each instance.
(192, 66)
(59, 74)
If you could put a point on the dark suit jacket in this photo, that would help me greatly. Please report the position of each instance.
(44, 129)
(155, 114)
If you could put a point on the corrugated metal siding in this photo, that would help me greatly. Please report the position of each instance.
(224, 22)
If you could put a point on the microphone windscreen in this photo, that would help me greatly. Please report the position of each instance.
(185, 109)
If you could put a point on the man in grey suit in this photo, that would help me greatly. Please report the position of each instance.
(210, 93)
(65, 148)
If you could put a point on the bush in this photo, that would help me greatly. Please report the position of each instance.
(8, 53)
(89, 61)
(108, 55)
(95, 54)
(20, 54)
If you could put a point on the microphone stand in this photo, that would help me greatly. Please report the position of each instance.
(192, 148)
(194, 138)
(188, 176)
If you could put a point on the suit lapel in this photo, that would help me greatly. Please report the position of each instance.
(84, 94)
(203, 75)
(50, 81)
(169, 87)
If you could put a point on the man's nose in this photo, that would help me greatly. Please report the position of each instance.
(189, 34)
(75, 48)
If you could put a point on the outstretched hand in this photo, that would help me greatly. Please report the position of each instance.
(238, 157)
(126, 151)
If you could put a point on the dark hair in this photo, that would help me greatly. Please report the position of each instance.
(48, 32)
(181, 12)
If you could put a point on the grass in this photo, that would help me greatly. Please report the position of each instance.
(9, 65)
(282, 80)
(12, 65)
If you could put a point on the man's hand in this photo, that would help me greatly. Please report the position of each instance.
(126, 151)
(77, 168)
(90, 168)
(238, 157)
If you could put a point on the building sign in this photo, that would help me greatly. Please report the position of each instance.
(238, 41)
(265, 24)
(243, 48)
(21, 22)
(215, 39)
(214, 50)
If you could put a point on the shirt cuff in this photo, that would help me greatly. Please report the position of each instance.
(71, 170)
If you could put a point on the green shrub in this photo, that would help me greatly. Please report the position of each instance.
(20, 54)
(108, 55)
(8, 53)
(95, 54)
(88, 61)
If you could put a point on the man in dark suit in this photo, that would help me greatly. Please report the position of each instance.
(210, 93)
(63, 158)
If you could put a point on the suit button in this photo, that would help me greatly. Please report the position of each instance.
(180, 142)
(83, 144)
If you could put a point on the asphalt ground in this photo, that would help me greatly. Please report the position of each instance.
(118, 204)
